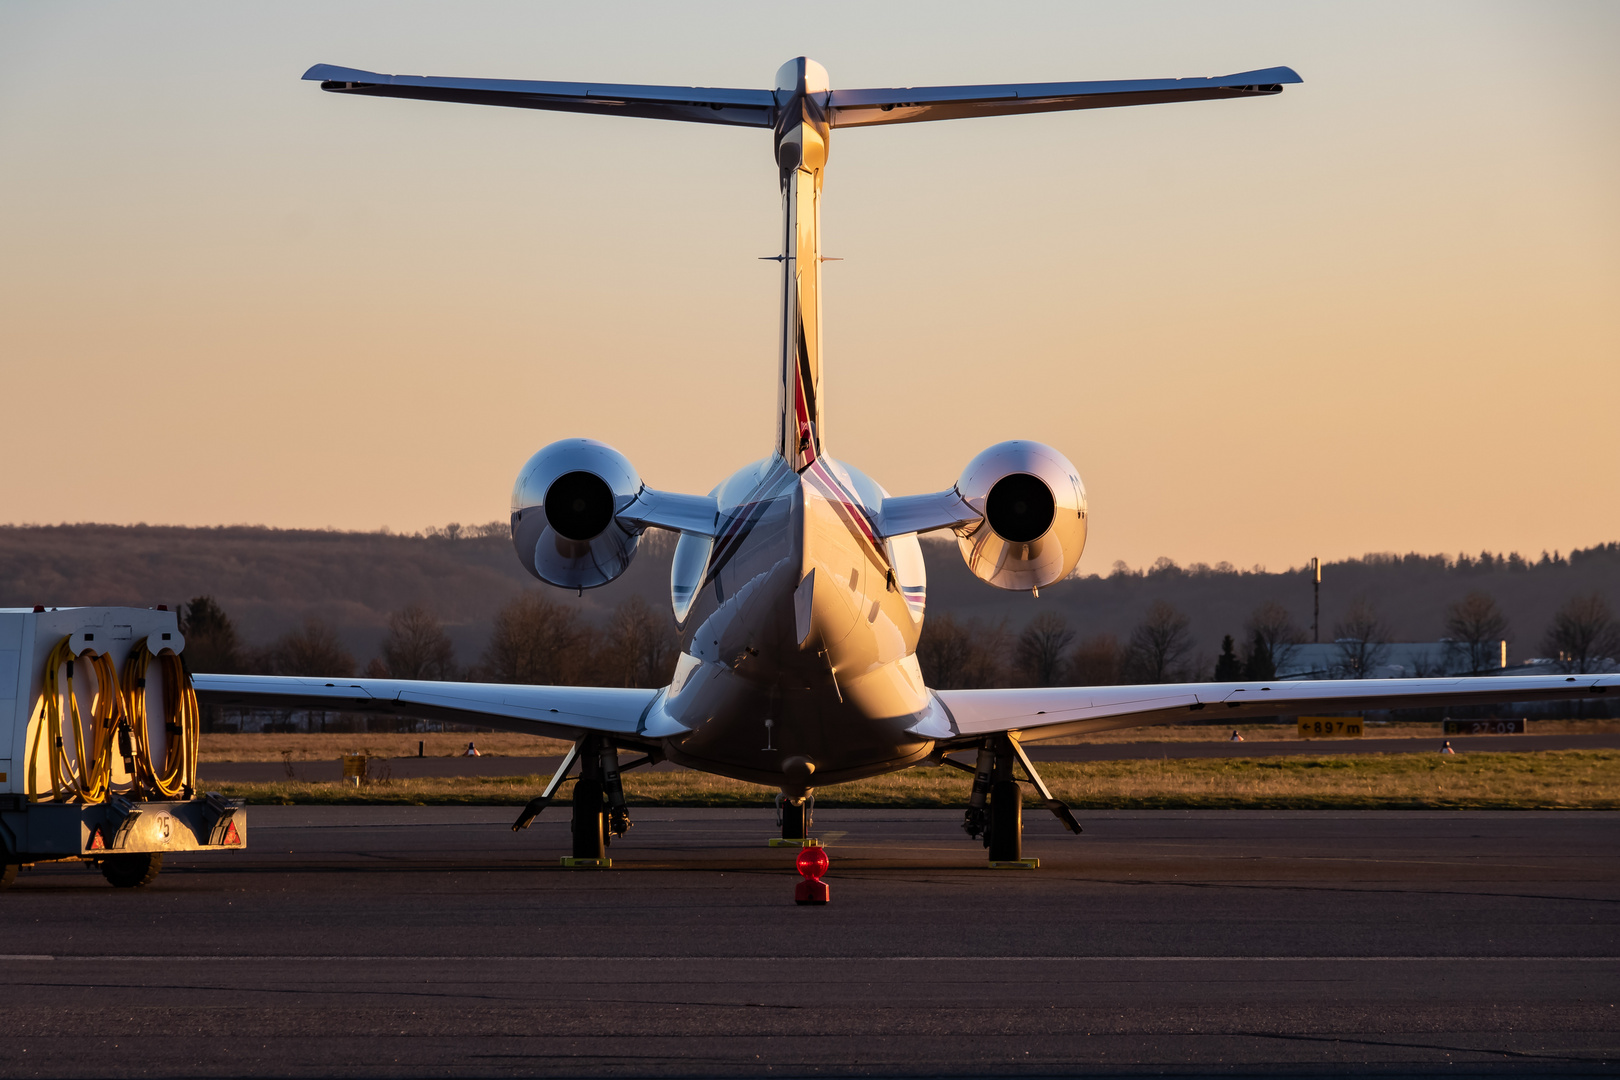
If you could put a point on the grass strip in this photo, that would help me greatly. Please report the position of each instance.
(1556, 779)
(327, 746)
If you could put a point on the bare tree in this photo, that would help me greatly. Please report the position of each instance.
(1476, 627)
(211, 641)
(1363, 641)
(943, 651)
(1096, 661)
(987, 662)
(1272, 637)
(1158, 646)
(1584, 636)
(536, 640)
(314, 649)
(417, 646)
(641, 646)
(955, 655)
(1038, 655)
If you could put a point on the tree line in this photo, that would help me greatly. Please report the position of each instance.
(1583, 637)
(1463, 564)
(536, 640)
(533, 640)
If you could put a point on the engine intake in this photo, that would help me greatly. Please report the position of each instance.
(1033, 507)
(579, 505)
(564, 508)
(1020, 508)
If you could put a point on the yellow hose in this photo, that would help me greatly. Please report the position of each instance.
(176, 777)
(87, 773)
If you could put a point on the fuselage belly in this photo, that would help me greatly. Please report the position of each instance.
(805, 619)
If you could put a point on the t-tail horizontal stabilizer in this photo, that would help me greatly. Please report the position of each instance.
(759, 108)
(697, 104)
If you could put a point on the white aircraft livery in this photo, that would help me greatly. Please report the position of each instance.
(798, 582)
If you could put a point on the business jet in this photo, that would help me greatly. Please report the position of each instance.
(798, 583)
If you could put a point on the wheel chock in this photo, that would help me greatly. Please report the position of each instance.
(1016, 864)
(571, 863)
(782, 841)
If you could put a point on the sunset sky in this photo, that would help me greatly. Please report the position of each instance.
(1378, 312)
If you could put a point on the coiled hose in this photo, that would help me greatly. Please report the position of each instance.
(182, 718)
(86, 773)
(118, 703)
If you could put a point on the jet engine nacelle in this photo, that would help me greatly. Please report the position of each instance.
(1032, 509)
(564, 509)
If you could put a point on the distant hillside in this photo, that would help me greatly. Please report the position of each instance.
(1410, 593)
(269, 580)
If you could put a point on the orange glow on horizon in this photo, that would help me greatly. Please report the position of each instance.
(1377, 312)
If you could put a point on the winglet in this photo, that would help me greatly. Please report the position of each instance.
(333, 73)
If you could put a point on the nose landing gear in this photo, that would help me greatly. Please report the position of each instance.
(795, 816)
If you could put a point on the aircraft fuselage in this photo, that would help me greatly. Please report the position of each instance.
(798, 660)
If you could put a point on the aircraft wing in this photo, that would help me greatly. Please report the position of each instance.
(1050, 712)
(909, 104)
(699, 104)
(561, 712)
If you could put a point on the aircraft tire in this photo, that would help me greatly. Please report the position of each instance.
(793, 820)
(1006, 822)
(589, 841)
(133, 870)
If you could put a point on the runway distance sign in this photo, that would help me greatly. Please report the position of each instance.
(1330, 727)
(1487, 727)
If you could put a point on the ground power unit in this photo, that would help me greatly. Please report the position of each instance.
(99, 731)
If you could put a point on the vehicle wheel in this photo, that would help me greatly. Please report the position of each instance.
(588, 838)
(1006, 822)
(8, 874)
(794, 823)
(132, 871)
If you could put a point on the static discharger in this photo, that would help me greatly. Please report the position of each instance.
(811, 864)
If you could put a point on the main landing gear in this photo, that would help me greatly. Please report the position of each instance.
(996, 807)
(600, 812)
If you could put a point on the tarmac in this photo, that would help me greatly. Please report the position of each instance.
(433, 941)
(407, 767)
